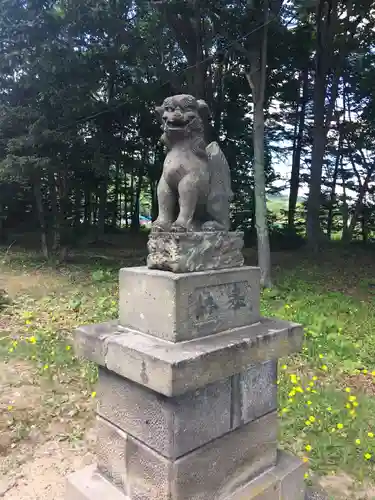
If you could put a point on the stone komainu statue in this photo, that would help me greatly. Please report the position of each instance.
(195, 177)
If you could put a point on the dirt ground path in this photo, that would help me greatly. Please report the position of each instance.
(43, 437)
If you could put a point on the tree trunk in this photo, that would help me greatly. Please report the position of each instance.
(37, 189)
(102, 207)
(327, 23)
(364, 224)
(64, 214)
(126, 201)
(333, 192)
(297, 150)
(55, 230)
(116, 196)
(135, 225)
(264, 254)
(88, 207)
(344, 208)
(257, 81)
(317, 155)
(358, 209)
(77, 204)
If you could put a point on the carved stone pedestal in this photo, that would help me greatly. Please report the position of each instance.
(187, 392)
(195, 251)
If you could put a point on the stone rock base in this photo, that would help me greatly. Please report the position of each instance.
(195, 251)
(284, 481)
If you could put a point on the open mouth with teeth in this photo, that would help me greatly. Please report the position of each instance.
(176, 123)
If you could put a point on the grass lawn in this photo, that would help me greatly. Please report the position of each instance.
(326, 403)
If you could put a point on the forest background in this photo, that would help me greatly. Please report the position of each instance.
(289, 84)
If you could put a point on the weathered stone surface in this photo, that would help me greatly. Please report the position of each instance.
(290, 473)
(174, 369)
(285, 481)
(195, 251)
(178, 307)
(89, 484)
(171, 426)
(195, 178)
(93, 346)
(111, 452)
(220, 467)
(254, 392)
(212, 471)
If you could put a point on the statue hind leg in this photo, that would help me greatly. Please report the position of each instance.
(217, 216)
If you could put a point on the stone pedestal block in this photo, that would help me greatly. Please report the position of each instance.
(214, 470)
(187, 391)
(284, 481)
(175, 368)
(175, 425)
(171, 426)
(178, 307)
(195, 251)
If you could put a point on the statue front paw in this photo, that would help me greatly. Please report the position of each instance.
(160, 226)
(182, 226)
(179, 228)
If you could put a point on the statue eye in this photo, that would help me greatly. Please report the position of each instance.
(169, 109)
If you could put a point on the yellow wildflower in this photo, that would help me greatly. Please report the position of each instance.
(32, 340)
(352, 398)
(307, 422)
(367, 456)
(284, 367)
(340, 426)
(312, 418)
(309, 403)
(68, 347)
(308, 447)
(315, 378)
(324, 368)
(370, 434)
(357, 441)
(305, 459)
(348, 389)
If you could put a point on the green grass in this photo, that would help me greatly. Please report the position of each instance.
(326, 404)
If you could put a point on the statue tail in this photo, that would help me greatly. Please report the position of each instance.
(220, 185)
